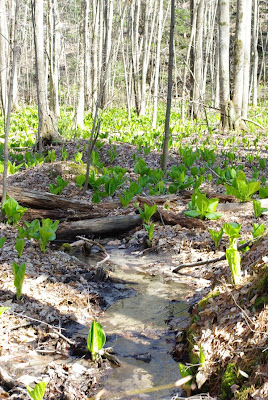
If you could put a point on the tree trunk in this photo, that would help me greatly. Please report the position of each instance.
(239, 62)
(80, 105)
(169, 95)
(157, 62)
(4, 41)
(224, 40)
(246, 69)
(198, 62)
(255, 53)
(54, 56)
(47, 120)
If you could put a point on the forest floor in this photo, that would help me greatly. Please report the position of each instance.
(62, 294)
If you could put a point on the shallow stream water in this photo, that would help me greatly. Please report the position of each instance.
(137, 329)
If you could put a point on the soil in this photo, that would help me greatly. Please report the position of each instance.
(60, 291)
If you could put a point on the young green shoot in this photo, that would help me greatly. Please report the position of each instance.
(216, 236)
(258, 210)
(96, 339)
(38, 392)
(19, 273)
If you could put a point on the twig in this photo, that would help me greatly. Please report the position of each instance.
(253, 122)
(71, 342)
(211, 261)
(93, 243)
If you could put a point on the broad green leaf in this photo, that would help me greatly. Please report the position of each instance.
(232, 191)
(3, 309)
(96, 339)
(148, 212)
(234, 260)
(19, 273)
(201, 203)
(213, 203)
(213, 215)
(38, 392)
(192, 213)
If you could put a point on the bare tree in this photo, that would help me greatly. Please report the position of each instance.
(4, 51)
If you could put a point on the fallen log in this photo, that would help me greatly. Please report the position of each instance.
(98, 226)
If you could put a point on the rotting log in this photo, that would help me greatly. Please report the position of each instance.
(98, 226)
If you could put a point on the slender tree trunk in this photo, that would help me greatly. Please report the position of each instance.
(157, 62)
(198, 62)
(255, 53)
(190, 57)
(246, 69)
(10, 100)
(4, 41)
(48, 121)
(79, 120)
(239, 61)
(87, 57)
(54, 56)
(108, 22)
(95, 67)
(169, 95)
(224, 38)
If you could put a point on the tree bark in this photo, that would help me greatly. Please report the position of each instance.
(4, 41)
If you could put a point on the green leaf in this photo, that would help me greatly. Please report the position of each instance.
(263, 192)
(184, 371)
(258, 230)
(192, 213)
(148, 212)
(213, 215)
(96, 339)
(202, 359)
(258, 210)
(20, 246)
(201, 203)
(38, 392)
(2, 242)
(234, 260)
(213, 203)
(19, 273)
(3, 309)
(216, 236)
(232, 229)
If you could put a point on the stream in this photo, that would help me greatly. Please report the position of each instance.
(136, 327)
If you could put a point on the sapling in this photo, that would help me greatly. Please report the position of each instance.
(19, 273)
(258, 210)
(96, 339)
(38, 392)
